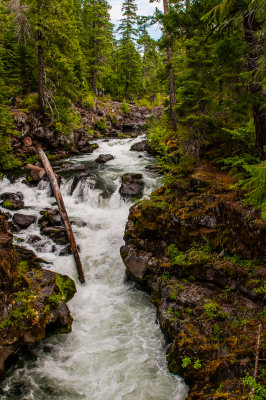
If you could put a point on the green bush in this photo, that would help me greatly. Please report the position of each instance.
(30, 102)
(125, 107)
(101, 125)
(7, 131)
(259, 390)
(89, 101)
(257, 186)
(176, 256)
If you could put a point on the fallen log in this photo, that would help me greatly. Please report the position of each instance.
(37, 173)
(62, 210)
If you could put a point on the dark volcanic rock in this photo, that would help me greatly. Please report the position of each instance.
(23, 220)
(153, 168)
(200, 252)
(141, 146)
(51, 225)
(56, 233)
(132, 185)
(103, 158)
(32, 299)
(49, 218)
(12, 201)
(76, 181)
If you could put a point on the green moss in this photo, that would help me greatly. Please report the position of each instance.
(66, 286)
(22, 308)
(8, 204)
(55, 300)
(212, 309)
(23, 267)
(186, 361)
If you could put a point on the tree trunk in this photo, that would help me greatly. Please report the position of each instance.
(250, 28)
(62, 211)
(170, 74)
(94, 80)
(40, 64)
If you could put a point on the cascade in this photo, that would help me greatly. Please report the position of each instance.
(115, 351)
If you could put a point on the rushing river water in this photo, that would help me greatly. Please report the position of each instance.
(116, 350)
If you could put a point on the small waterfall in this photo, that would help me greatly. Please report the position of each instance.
(116, 350)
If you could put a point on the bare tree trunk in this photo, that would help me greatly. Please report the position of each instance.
(170, 74)
(40, 64)
(250, 28)
(257, 360)
(62, 210)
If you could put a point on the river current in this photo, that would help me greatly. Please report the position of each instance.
(116, 350)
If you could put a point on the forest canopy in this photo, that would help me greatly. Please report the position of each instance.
(208, 66)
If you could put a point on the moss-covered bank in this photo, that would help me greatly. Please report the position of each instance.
(32, 299)
(201, 254)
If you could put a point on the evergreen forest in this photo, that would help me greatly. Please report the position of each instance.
(207, 69)
(70, 77)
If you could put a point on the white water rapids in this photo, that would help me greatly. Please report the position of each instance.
(116, 350)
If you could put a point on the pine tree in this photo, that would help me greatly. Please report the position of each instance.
(129, 59)
(96, 40)
(151, 59)
(250, 14)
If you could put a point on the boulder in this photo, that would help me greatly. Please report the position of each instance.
(12, 201)
(153, 168)
(49, 218)
(57, 234)
(23, 220)
(132, 185)
(141, 146)
(103, 158)
(76, 181)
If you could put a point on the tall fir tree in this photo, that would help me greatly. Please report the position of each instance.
(129, 59)
(97, 38)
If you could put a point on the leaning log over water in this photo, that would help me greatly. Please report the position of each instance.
(62, 209)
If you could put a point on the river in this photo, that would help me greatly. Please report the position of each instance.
(116, 350)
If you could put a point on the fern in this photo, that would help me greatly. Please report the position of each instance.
(257, 186)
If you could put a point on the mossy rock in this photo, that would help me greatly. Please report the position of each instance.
(66, 286)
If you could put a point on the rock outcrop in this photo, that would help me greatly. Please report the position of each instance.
(201, 254)
(32, 299)
(51, 225)
(104, 158)
(105, 118)
(141, 146)
(12, 201)
(132, 185)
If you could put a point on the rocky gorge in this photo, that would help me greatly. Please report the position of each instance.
(105, 118)
(194, 246)
(200, 253)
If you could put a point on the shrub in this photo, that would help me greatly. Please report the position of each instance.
(89, 101)
(30, 102)
(125, 107)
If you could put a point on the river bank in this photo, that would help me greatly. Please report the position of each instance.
(200, 253)
(105, 118)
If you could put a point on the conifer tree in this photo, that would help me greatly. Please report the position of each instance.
(129, 60)
(96, 40)
(170, 69)
(250, 14)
